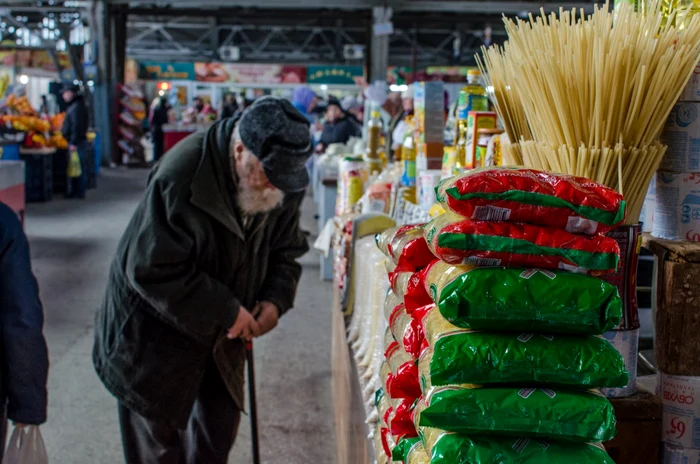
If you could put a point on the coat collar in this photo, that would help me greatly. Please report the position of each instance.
(213, 185)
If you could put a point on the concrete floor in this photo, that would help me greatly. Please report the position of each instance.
(72, 245)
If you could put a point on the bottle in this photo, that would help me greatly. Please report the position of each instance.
(472, 97)
(408, 175)
(374, 135)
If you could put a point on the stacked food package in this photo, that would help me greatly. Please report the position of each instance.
(494, 349)
(132, 113)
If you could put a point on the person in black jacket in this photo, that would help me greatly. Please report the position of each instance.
(75, 128)
(230, 106)
(23, 353)
(158, 120)
(339, 127)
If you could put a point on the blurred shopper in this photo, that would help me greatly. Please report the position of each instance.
(23, 354)
(399, 132)
(394, 109)
(75, 128)
(208, 260)
(230, 106)
(353, 107)
(305, 100)
(159, 118)
(339, 127)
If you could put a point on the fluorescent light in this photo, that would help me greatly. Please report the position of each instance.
(398, 88)
(324, 87)
(91, 83)
(24, 79)
(161, 92)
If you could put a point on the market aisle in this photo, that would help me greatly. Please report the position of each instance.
(72, 244)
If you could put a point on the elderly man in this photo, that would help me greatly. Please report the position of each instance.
(207, 262)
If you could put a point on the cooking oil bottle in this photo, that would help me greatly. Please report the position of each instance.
(374, 135)
(472, 97)
(408, 174)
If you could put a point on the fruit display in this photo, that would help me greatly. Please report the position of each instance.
(4, 83)
(26, 123)
(19, 105)
(57, 121)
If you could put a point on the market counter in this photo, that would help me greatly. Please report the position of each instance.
(9, 150)
(12, 186)
(173, 133)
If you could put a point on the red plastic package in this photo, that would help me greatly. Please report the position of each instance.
(400, 422)
(403, 381)
(406, 247)
(456, 240)
(407, 329)
(574, 204)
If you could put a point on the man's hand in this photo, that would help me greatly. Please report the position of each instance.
(267, 315)
(245, 326)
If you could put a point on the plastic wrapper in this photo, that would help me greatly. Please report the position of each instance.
(410, 286)
(550, 301)
(407, 329)
(553, 414)
(574, 204)
(411, 451)
(462, 356)
(403, 381)
(452, 448)
(456, 240)
(401, 419)
(406, 246)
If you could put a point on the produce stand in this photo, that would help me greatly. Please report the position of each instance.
(39, 173)
(12, 186)
(9, 150)
(174, 133)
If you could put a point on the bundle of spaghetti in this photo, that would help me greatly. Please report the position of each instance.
(589, 81)
(505, 97)
(595, 93)
(628, 170)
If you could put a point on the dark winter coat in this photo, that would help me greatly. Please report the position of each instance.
(23, 356)
(340, 131)
(75, 125)
(184, 266)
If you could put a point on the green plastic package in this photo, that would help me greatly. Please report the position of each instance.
(549, 301)
(400, 451)
(571, 415)
(450, 448)
(467, 357)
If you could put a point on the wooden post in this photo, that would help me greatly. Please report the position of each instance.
(677, 273)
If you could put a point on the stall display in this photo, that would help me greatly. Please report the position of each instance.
(131, 113)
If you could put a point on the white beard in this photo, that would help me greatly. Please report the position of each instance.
(258, 201)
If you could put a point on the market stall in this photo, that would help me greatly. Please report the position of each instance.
(487, 301)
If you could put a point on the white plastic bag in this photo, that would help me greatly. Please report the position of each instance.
(26, 446)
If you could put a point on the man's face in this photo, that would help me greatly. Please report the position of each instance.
(407, 104)
(68, 96)
(333, 113)
(255, 192)
(312, 105)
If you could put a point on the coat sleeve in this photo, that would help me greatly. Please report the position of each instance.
(23, 352)
(283, 271)
(161, 267)
(68, 129)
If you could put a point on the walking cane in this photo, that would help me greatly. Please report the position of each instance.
(253, 403)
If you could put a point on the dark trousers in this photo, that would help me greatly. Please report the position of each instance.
(77, 186)
(208, 438)
(3, 429)
(158, 142)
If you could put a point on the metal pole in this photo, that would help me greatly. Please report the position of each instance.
(253, 403)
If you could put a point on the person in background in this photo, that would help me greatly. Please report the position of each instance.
(305, 100)
(159, 118)
(399, 132)
(198, 104)
(75, 127)
(394, 109)
(354, 108)
(23, 353)
(230, 106)
(208, 261)
(339, 127)
(44, 107)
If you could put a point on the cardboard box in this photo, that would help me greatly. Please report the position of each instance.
(429, 113)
